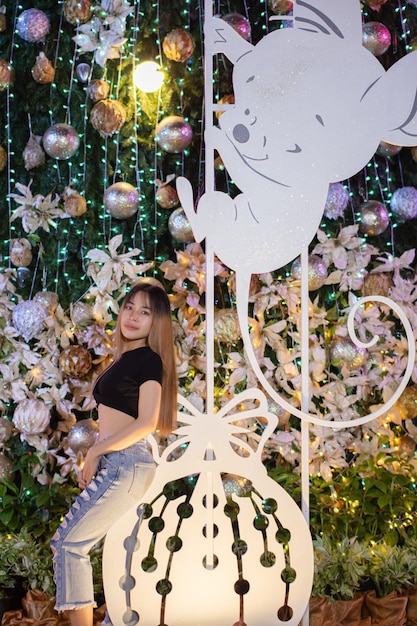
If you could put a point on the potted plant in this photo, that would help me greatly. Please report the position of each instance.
(392, 569)
(340, 568)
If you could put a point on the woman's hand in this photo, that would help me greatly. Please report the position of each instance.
(89, 468)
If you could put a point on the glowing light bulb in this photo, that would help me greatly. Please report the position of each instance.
(148, 76)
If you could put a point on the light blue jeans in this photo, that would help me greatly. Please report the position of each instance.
(121, 480)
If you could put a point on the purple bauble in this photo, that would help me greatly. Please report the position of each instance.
(337, 200)
(374, 218)
(33, 25)
(239, 23)
(404, 203)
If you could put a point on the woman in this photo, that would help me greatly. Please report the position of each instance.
(136, 395)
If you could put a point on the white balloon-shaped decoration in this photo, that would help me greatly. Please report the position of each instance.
(28, 318)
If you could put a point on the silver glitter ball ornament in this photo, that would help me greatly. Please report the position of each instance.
(374, 218)
(317, 271)
(180, 227)
(236, 486)
(82, 435)
(404, 203)
(376, 38)
(343, 352)
(61, 141)
(33, 25)
(173, 134)
(337, 201)
(28, 318)
(121, 200)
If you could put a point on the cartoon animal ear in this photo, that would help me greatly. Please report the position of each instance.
(338, 18)
(396, 92)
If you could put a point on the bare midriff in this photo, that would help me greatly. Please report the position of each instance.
(111, 421)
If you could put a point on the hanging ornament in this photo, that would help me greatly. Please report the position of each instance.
(407, 403)
(3, 21)
(6, 430)
(377, 284)
(228, 99)
(74, 204)
(121, 200)
(7, 74)
(386, 149)
(376, 38)
(23, 277)
(75, 361)
(404, 203)
(33, 155)
(28, 318)
(33, 25)
(3, 158)
(180, 227)
(83, 72)
(148, 77)
(6, 467)
(20, 252)
(48, 299)
(226, 326)
(337, 201)
(108, 116)
(374, 218)
(98, 90)
(343, 352)
(239, 23)
(173, 134)
(77, 11)
(82, 435)
(280, 6)
(31, 417)
(61, 141)
(178, 45)
(43, 71)
(81, 314)
(317, 271)
(166, 196)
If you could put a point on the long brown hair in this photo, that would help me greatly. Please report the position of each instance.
(161, 341)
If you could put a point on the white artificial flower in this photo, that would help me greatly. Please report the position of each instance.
(36, 211)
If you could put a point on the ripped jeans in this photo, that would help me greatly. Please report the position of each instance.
(122, 478)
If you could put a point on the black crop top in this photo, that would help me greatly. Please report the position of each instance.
(118, 386)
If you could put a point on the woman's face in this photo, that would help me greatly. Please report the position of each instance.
(136, 320)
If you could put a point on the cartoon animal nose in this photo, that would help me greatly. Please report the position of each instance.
(241, 133)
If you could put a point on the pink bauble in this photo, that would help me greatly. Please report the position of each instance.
(376, 38)
(33, 25)
(173, 134)
(121, 200)
(239, 23)
(374, 218)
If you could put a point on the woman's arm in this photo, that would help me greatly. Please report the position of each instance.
(146, 423)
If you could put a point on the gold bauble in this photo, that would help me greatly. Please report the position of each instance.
(98, 90)
(280, 6)
(166, 196)
(33, 154)
(407, 403)
(178, 45)
(377, 284)
(74, 204)
(7, 74)
(75, 361)
(77, 11)
(3, 22)
(108, 116)
(3, 158)
(49, 299)
(43, 71)
(226, 326)
(20, 252)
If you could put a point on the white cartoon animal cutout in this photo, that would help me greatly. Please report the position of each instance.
(310, 109)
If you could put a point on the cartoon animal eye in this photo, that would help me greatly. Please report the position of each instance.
(247, 112)
(320, 119)
(251, 78)
(295, 150)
